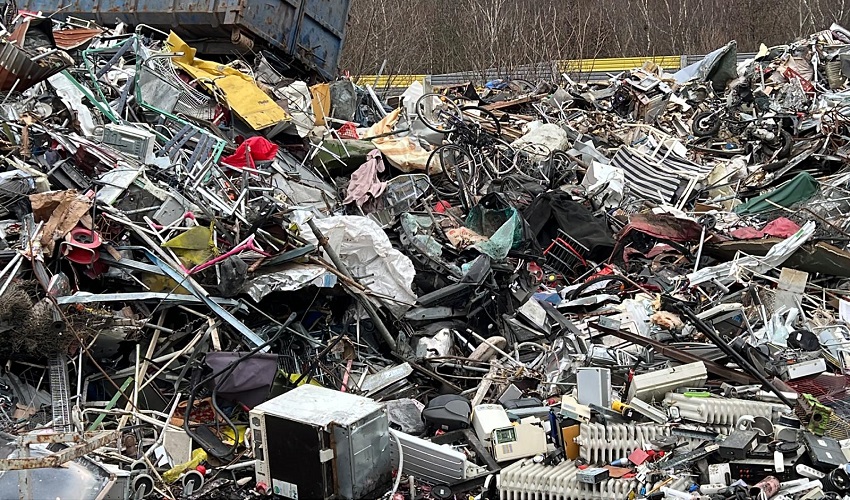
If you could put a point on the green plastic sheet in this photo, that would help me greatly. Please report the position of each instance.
(800, 188)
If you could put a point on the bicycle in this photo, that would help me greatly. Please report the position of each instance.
(549, 168)
(474, 155)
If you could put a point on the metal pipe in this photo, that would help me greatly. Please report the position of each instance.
(732, 353)
(370, 309)
(678, 355)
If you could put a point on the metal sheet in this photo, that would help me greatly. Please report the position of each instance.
(73, 38)
(320, 407)
(386, 377)
(313, 31)
(15, 64)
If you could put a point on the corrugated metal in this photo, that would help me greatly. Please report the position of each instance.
(19, 71)
(313, 31)
(73, 38)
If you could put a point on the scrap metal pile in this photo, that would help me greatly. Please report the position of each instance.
(217, 281)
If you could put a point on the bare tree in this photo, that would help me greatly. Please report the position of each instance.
(440, 36)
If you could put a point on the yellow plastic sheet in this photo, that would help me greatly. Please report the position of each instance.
(321, 93)
(227, 434)
(194, 246)
(159, 283)
(239, 90)
(198, 456)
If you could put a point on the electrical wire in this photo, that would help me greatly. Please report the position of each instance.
(227, 371)
(397, 482)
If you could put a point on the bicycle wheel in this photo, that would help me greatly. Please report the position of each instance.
(500, 158)
(439, 113)
(443, 166)
(485, 118)
(562, 170)
(532, 159)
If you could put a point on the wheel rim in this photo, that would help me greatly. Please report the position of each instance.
(450, 159)
(502, 158)
(438, 112)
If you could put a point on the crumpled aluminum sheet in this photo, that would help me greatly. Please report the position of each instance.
(295, 277)
(779, 253)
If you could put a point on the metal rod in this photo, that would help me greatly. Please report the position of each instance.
(732, 353)
(370, 309)
(318, 359)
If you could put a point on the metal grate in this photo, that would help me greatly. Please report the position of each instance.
(403, 194)
(59, 393)
(831, 387)
(565, 255)
(838, 428)
(831, 391)
(192, 102)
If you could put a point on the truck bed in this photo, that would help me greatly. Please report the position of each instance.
(310, 31)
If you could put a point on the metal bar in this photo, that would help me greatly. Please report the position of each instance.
(125, 263)
(677, 354)
(202, 143)
(52, 438)
(24, 477)
(166, 148)
(377, 101)
(132, 296)
(61, 456)
(732, 353)
(122, 99)
(118, 55)
(111, 404)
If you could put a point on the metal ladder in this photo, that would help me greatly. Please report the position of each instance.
(59, 393)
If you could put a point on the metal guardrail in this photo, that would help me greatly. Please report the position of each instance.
(742, 56)
(523, 72)
(384, 81)
(617, 64)
(586, 70)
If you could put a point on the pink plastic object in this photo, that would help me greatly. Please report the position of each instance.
(81, 246)
(246, 245)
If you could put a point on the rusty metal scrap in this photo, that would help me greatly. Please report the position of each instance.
(83, 444)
